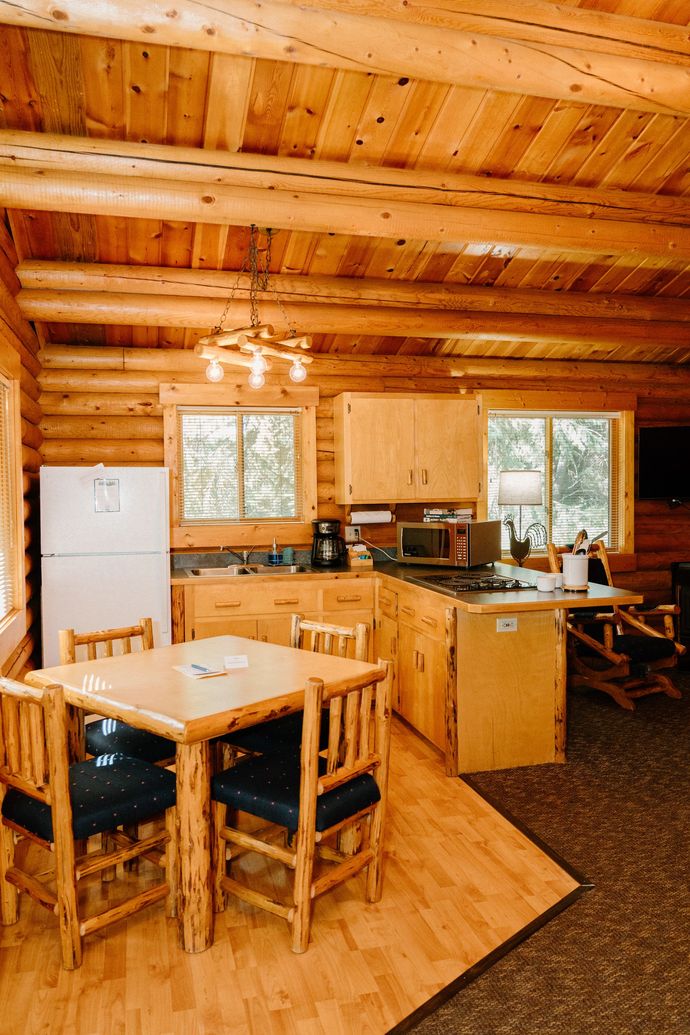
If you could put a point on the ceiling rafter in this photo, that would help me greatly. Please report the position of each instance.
(72, 174)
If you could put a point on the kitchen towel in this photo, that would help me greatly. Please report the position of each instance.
(371, 517)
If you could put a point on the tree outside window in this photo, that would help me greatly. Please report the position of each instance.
(578, 458)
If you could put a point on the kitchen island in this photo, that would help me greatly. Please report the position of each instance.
(482, 675)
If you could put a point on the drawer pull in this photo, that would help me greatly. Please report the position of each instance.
(429, 621)
(425, 476)
(410, 474)
(286, 600)
(348, 600)
(229, 603)
(408, 611)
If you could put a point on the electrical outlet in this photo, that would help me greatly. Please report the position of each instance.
(506, 625)
(353, 533)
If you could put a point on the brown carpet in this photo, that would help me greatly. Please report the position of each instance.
(618, 961)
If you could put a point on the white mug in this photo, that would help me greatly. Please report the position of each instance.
(546, 583)
(575, 570)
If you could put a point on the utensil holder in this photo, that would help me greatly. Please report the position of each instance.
(575, 571)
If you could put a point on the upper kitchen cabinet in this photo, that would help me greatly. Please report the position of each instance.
(397, 448)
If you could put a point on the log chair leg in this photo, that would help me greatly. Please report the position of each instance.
(301, 920)
(218, 850)
(172, 863)
(9, 896)
(375, 868)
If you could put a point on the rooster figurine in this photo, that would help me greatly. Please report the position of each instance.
(535, 535)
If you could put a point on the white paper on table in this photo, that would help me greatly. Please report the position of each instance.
(198, 671)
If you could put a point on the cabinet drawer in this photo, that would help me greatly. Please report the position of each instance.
(349, 595)
(258, 598)
(422, 611)
(388, 602)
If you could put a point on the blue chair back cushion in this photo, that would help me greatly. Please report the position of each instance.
(276, 735)
(112, 737)
(268, 787)
(106, 792)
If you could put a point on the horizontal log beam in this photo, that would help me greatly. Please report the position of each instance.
(128, 366)
(438, 49)
(198, 283)
(170, 311)
(67, 174)
(44, 152)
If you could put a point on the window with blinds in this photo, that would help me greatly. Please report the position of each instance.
(239, 464)
(8, 536)
(579, 457)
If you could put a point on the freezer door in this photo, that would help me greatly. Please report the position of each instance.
(104, 510)
(88, 593)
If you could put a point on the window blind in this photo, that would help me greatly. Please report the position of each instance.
(7, 517)
(239, 464)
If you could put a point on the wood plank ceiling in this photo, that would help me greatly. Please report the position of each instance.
(480, 179)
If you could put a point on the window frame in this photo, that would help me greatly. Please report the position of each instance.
(13, 625)
(241, 533)
(525, 404)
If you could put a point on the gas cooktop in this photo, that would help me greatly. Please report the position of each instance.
(471, 582)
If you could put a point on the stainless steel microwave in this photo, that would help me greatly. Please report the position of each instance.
(461, 544)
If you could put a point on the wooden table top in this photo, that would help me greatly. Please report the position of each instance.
(145, 690)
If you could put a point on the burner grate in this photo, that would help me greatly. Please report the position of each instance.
(470, 582)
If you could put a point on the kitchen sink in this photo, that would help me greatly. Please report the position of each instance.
(233, 570)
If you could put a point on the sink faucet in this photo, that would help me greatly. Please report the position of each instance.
(244, 556)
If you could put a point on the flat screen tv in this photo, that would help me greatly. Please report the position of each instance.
(664, 463)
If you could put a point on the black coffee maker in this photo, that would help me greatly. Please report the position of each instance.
(327, 548)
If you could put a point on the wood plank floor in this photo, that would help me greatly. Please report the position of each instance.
(460, 881)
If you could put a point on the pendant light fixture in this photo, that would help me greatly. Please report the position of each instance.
(254, 347)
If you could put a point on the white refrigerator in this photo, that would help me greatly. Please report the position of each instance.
(105, 551)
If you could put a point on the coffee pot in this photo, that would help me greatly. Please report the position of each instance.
(327, 548)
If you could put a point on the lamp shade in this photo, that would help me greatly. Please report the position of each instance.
(519, 488)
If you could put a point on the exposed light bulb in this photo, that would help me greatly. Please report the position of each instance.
(214, 371)
(256, 380)
(258, 364)
(297, 371)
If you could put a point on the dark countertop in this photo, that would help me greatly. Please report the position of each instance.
(494, 601)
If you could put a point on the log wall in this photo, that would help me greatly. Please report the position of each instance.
(101, 404)
(21, 337)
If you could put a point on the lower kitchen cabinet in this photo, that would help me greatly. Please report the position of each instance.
(422, 683)
(423, 660)
(261, 608)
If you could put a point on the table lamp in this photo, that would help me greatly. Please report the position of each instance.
(519, 489)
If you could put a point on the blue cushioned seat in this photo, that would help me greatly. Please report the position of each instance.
(644, 649)
(112, 737)
(268, 787)
(276, 735)
(106, 792)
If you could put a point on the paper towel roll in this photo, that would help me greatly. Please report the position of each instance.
(371, 517)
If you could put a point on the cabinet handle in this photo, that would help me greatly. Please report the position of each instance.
(408, 611)
(347, 600)
(425, 477)
(410, 474)
(429, 621)
(420, 661)
(286, 600)
(229, 603)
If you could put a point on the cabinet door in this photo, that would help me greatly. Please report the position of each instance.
(275, 629)
(380, 441)
(386, 647)
(447, 443)
(421, 683)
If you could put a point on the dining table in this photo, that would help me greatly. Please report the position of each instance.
(165, 691)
